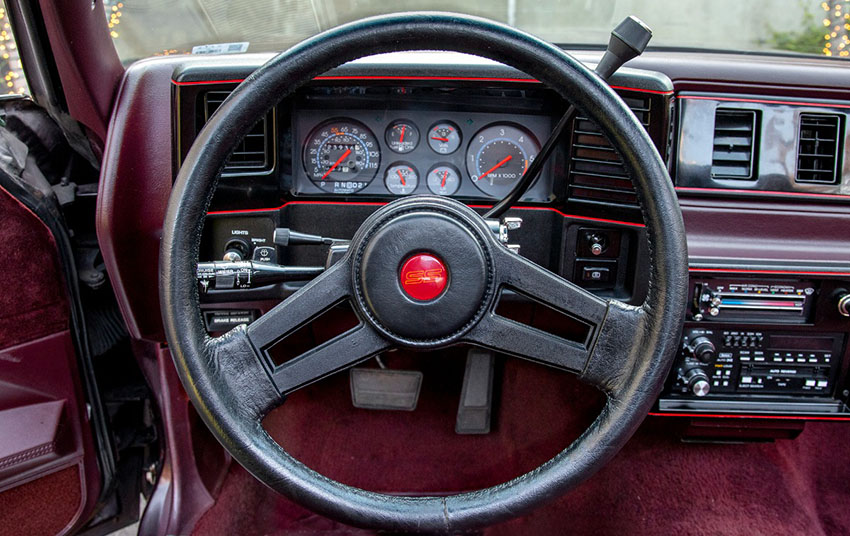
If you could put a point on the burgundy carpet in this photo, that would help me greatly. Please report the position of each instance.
(656, 485)
(43, 506)
(34, 304)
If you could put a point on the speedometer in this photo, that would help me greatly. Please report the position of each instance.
(341, 156)
(498, 155)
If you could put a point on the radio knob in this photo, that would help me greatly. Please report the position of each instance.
(703, 349)
(697, 381)
(844, 304)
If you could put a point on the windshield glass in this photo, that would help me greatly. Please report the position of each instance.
(142, 28)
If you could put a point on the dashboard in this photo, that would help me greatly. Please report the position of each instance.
(760, 160)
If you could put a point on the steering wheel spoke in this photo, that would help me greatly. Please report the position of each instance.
(342, 352)
(311, 301)
(523, 276)
(237, 365)
(513, 338)
(616, 349)
(615, 331)
(330, 289)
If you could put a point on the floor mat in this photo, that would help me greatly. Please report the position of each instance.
(656, 485)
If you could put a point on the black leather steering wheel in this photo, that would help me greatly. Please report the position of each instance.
(627, 354)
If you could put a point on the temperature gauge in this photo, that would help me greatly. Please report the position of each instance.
(402, 137)
(443, 179)
(444, 137)
(401, 178)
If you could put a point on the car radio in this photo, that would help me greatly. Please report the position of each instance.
(756, 362)
(762, 346)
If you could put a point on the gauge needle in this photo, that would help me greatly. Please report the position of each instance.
(439, 139)
(333, 167)
(401, 139)
(502, 162)
(443, 184)
(400, 176)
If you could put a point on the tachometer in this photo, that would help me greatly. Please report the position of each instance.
(498, 155)
(341, 156)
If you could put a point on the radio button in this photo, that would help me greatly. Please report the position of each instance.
(822, 383)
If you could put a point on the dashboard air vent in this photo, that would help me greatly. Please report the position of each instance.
(734, 138)
(596, 170)
(254, 152)
(817, 150)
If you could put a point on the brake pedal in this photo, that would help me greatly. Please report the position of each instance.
(385, 389)
(476, 397)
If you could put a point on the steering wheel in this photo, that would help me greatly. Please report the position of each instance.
(233, 383)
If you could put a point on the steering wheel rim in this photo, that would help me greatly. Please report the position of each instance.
(232, 390)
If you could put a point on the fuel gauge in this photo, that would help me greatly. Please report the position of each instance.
(402, 137)
(443, 179)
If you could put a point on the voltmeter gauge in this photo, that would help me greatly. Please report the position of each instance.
(443, 179)
(444, 137)
(401, 178)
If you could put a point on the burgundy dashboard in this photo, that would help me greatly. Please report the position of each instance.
(761, 164)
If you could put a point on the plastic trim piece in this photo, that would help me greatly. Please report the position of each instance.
(414, 78)
(693, 189)
(749, 416)
(380, 204)
(766, 101)
(767, 272)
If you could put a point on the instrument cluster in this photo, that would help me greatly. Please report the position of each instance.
(404, 152)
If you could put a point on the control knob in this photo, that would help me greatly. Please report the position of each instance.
(697, 381)
(236, 250)
(702, 349)
(844, 304)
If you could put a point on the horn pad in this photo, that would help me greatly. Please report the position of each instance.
(444, 251)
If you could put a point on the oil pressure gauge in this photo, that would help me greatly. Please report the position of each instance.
(443, 179)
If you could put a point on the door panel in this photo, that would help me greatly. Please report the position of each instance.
(48, 470)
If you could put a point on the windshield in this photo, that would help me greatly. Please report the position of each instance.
(142, 28)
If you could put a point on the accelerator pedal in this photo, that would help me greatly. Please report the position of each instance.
(476, 397)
